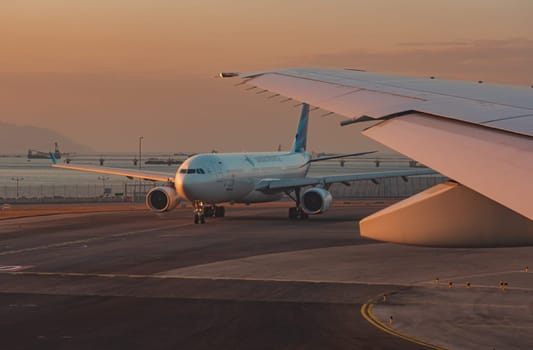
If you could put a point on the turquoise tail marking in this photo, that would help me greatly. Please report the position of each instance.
(300, 141)
(53, 158)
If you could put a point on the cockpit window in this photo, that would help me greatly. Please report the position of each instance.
(192, 171)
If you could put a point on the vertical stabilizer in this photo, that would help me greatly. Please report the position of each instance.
(300, 140)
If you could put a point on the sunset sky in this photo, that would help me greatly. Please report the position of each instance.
(105, 72)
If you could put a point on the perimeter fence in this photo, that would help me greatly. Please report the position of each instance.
(127, 192)
(134, 192)
(395, 187)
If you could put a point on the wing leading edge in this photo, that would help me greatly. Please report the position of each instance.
(361, 95)
(151, 176)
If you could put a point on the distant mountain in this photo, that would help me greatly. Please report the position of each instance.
(18, 139)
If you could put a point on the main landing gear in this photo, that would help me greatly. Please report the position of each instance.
(215, 211)
(201, 211)
(297, 213)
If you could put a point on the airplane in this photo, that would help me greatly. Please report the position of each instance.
(479, 135)
(210, 179)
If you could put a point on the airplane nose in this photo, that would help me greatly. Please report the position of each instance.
(189, 187)
(180, 187)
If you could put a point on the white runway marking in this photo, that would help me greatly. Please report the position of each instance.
(87, 240)
(14, 268)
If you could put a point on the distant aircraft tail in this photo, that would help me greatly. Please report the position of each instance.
(52, 158)
(300, 140)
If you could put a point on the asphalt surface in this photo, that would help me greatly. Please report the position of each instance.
(102, 281)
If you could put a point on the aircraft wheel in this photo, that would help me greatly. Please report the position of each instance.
(220, 212)
(202, 219)
(293, 213)
(208, 211)
(196, 218)
(303, 216)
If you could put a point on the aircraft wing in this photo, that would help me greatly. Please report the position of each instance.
(280, 185)
(151, 176)
(337, 156)
(479, 134)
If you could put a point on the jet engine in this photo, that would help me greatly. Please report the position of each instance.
(316, 200)
(162, 199)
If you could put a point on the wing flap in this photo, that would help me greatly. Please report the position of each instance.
(495, 163)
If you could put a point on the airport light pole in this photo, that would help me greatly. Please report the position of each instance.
(18, 180)
(140, 165)
(140, 150)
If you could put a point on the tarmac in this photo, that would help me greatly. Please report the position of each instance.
(252, 280)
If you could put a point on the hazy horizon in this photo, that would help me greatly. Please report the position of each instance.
(103, 73)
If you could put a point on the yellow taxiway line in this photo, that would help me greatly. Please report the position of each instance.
(366, 312)
(366, 308)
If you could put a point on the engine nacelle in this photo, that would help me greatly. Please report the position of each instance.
(162, 199)
(316, 200)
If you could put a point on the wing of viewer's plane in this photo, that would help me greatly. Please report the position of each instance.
(478, 134)
(273, 185)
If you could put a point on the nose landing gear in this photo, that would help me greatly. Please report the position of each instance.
(199, 215)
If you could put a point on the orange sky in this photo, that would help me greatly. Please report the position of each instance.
(106, 71)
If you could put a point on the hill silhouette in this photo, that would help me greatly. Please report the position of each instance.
(15, 139)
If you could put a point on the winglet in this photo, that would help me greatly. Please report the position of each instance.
(53, 158)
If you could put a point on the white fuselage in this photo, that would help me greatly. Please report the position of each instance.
(232, 177)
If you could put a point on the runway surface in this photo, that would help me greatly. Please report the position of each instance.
(252, 280)
(104, 280)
